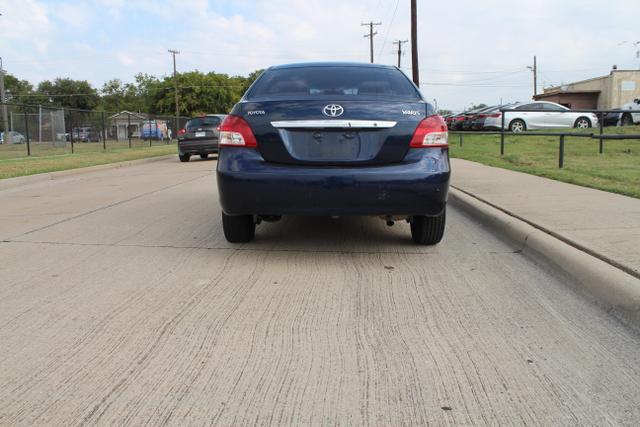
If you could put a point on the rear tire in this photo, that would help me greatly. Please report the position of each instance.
(184, 157)
(428, 230)
(582, 123)
(204, 156)
(238, 229)
(627, 120)
(517, 126)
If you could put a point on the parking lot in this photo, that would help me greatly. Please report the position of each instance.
(121, 302)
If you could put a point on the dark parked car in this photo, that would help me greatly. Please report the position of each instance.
(456, 122)
(613, 118)
(333, 139)
(483, 120)
(85, 134)
(628, 115)
(199, 136)
(471, 116)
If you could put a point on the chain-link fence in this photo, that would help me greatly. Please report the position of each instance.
(35, 130)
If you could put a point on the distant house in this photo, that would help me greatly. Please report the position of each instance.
(602, 93)
(125, 124)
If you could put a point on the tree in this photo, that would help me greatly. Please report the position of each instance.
(65, 92)
(198, 92)
(118, 96)
(17, 90)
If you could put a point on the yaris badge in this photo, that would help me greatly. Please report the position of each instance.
(333, 110)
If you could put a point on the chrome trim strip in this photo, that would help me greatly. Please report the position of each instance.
(334, 124)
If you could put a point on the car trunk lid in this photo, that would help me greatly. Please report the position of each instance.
(318, 132)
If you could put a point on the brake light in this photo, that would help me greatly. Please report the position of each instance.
(182, 131)
(496, 115)
(431, 132)
(236, 132)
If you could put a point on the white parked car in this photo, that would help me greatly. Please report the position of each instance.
(13, 136)
(628, 119)
(546, 115)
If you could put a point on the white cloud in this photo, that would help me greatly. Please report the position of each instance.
(125, 59)
(24, 20)
(76, 15)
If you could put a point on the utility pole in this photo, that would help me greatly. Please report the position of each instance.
(175, 85)
(5, 120)
(399, 43)
(414, 42)
(371, 34)
(534, 69)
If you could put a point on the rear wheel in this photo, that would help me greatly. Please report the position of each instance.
(428, 230)
(204, 156)
(582, 123)
(239, 228)
(517, 126)
(627, 120)
(184, 157)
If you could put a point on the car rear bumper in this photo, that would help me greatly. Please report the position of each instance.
(198, 146)
(248, 184)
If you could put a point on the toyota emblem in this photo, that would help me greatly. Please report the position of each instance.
(333, 110)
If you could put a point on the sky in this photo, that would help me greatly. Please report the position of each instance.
(470, 51)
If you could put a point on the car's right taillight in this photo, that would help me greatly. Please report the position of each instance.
(431, 132)
(495, 115)
(236, 132)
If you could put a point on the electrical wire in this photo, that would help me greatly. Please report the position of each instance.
(384, 42)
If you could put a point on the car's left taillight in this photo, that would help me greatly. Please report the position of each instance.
(236, 132)
(182, 131)
(431, 132)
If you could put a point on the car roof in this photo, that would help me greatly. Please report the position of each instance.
(331, 64)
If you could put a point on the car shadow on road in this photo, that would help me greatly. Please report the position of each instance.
(360, 234)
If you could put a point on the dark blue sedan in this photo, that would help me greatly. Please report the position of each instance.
(333, 139)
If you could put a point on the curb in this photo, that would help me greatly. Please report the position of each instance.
(615, 290)
(47, 176)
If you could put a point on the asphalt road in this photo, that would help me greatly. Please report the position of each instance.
(121, 302)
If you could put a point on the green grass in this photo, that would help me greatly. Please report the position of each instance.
(46, 158)
(617, 170)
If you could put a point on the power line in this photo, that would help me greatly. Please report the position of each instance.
(384, 41)
(102, 93)
(472, 85)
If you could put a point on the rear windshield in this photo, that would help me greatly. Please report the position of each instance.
(334, 81)
(203, 121)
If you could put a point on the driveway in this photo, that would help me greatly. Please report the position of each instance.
(121, 303)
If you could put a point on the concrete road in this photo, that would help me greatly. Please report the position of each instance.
(121, 303)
